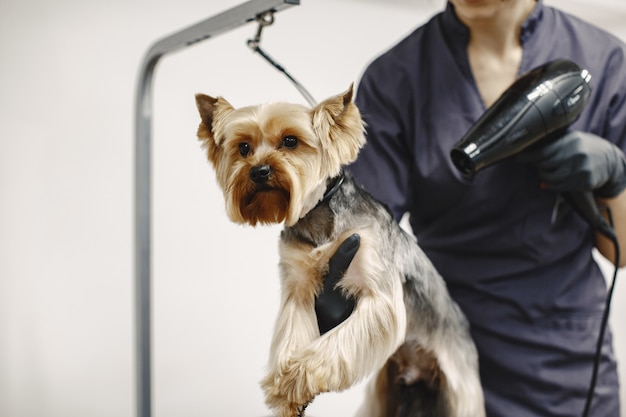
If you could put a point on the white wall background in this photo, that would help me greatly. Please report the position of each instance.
(67, 80)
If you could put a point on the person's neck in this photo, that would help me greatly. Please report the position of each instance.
(500, 31)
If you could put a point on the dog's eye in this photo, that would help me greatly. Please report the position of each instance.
(289, 142)
(244, 148)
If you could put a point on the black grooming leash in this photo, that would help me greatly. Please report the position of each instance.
(267, 19)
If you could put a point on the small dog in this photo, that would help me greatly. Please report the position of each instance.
(283, 163)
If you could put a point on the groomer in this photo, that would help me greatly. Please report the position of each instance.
(517, 260)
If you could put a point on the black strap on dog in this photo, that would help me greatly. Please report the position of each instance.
(333, 187)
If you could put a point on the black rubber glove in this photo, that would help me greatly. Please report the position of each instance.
(579, 162)
(331, 306)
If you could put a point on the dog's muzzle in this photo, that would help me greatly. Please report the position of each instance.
(260, 173)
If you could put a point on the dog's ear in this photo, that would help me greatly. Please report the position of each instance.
(211, 110)
(206, 107)
(337, 122)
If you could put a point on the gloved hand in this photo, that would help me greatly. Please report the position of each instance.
(579, 162)
(331, 306)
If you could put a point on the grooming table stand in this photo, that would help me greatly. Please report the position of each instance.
(207, 29)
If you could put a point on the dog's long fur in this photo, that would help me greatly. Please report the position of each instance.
(274, 163)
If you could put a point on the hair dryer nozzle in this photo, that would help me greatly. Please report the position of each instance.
(542, 101)
(463, 159)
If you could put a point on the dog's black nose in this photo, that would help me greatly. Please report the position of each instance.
(260, 173)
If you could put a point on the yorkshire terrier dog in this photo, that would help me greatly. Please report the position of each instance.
(283, 163)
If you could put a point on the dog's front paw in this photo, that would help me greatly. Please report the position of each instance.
(290, 389)
(277, 399)
(287, 409)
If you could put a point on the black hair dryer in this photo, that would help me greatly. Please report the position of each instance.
(542, 101)
(545, 100)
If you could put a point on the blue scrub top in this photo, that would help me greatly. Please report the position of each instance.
(528, 284)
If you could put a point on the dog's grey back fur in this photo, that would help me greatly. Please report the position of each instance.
(352, 208)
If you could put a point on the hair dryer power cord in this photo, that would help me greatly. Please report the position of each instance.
(605, 316)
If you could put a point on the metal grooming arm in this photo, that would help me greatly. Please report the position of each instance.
(209, 28)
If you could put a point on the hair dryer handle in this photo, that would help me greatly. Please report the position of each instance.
(585, 204)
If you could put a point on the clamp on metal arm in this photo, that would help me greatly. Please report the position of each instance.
(265, 19)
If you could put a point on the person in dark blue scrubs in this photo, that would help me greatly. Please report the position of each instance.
(524, 277)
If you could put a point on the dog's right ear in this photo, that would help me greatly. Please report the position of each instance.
(206, 107)
(211, 111)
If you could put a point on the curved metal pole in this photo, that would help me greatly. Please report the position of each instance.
(206, 29)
